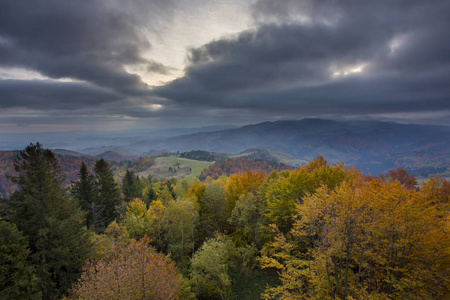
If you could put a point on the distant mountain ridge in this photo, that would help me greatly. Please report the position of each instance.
(370, 145)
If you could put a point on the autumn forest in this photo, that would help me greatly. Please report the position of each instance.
(262, 230)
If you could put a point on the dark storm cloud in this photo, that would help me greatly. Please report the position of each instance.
(290, 62)
(85, 40)
(44, 95)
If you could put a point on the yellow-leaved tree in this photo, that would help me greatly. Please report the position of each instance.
(364, 240)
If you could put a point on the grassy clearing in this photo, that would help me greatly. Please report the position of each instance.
(176, 167)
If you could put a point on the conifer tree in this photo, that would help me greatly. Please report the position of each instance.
(51, 222)
(84, 192)
(18, 280)
(151, 195)
(108, 195)
(131, 187)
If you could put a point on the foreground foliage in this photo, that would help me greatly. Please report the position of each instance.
(130, 271)
(18, 280)
(318, 232)
(363, 240)
(50, 221)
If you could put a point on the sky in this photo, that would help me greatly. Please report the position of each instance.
(149, 64)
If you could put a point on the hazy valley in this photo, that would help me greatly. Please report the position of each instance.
(372, 147)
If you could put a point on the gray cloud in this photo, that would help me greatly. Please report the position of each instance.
(44, 95)
(283, 68)
(85, 40)
(286, 65)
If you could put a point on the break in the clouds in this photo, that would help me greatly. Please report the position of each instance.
(341, 59)
(199, 62)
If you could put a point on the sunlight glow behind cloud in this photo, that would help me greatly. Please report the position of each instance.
(350, 70)
(164, 63)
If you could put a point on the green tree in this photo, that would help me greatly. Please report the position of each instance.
(108, 195)
(212, 210)
(171, 185)
(84, 192)
(165, 196)
(18, 280)
(131, 187)
(181, 217)
(283, 190)
(52, 223)
(137, 219)
(151, 194)
(209, 269)
(245, 217)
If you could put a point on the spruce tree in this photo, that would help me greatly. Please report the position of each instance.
(151, 195)
(18, 279)
(108, 195)
(51, 222)
(84, 192)
(131, 186)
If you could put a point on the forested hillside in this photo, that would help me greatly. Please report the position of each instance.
(319, 231)
(70, 163)
(186, 165)
(237, 165)
(373, 147)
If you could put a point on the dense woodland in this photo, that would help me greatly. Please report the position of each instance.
(235, 165)
(203, 155)
(320, 231)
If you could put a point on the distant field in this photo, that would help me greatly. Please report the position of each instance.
(175, 167)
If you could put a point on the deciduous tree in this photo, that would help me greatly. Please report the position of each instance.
(363, 240)
(209, 269)
(402, 176)
(136, 271)
(182, 219)
(241, 184)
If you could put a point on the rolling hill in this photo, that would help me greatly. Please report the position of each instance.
(371, 146)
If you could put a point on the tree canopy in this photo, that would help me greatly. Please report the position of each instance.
(51, 222)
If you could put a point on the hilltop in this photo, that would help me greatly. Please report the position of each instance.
(371, 146)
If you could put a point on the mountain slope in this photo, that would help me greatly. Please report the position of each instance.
(368, 145)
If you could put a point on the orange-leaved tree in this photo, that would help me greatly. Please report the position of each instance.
(402, 176)
(132, 271)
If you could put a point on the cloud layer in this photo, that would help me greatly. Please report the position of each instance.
(335, 59)
(330, 58)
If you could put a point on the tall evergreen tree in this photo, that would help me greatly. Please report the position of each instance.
(108, 194)
(151, 195)
(131, 186)
(51, 222)
(84, 192)
(18, 280)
